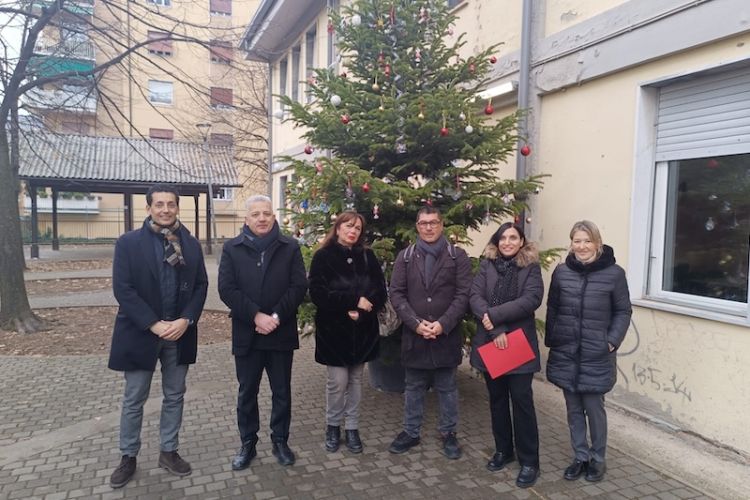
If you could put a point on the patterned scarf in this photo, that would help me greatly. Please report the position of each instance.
(172, 248)
(506, 286)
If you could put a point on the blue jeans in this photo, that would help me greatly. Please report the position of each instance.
(417, 382)
(137, 387)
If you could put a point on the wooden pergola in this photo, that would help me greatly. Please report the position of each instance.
(121, 165)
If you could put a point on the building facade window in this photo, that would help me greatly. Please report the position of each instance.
(224, 194)
(310, 37)
(160, 92)
(163, 3)
(455, 3)
(698, 252)
(221, 52)
(220, 7)
(296, 53)
(159, 46)
(283, 69)
(221, 139)
(161, 133)
(221, 97)
(283, 186)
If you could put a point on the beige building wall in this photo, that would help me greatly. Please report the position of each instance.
(687, 371)
(562, 14)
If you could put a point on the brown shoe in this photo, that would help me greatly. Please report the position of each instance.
(174, 463)
(123, 473)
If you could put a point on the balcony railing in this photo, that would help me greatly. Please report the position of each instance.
(74, 99)
(72, 48)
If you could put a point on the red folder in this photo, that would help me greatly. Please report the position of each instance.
(501, 361)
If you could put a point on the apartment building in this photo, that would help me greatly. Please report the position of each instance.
(186, 83)
(639, 111)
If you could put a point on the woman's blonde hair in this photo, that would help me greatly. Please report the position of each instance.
(592, 230)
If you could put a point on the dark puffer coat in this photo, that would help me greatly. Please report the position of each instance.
(588, 308)
(339, 276)
(513, 314)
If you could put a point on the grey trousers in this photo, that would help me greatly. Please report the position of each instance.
(582, 409)
(443, 381)
(343, 395)
(137, 387)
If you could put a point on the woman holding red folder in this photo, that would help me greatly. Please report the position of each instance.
(588, 314)
(504, 295)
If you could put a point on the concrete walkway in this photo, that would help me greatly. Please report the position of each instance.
(59, 419)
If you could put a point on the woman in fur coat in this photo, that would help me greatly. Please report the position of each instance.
(348, 288)
(504, 295)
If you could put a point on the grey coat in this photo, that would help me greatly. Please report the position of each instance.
(517, 313)
(445, 300)
(588, 307)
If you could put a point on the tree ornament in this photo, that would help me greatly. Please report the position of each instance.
(525, 150)
(528, 220)
(343, 74)
(461, 116)
(428, 202)
(472, 68)
(285, 221)
(488, 110)
(356, 20)
(710, 224)
(376, 211)
(469, 206)
(387, 70)
(469, 129)
(319, 168)
(549, 259)
(336, 99)
(392, 14)
(333, 217)
(345, 119)
(421, 110)
(331, 28)
(493, 59)
(375, 86)
(537, 190)
(423, 15)
(309, 150)
(381, 107)
(444, 131)
(300, 185)
(417, 56)
(380, 23)
(366, 187)
(450, 31)
(279, 113)
(453, 238)
(381, 58)
(516, 219)
(311, 80)
(399, 201)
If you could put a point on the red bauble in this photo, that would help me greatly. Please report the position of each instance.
(366, 187)
(319, 167)
(343, 74)
(488, 110)
(493, 59)
(444, 131)
(387, 70)
(309, 150)
(525, 150)
(345, 119)
(428, 203)
(331, 29)
(472, 68)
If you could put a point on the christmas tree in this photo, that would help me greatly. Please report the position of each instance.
(400, 126)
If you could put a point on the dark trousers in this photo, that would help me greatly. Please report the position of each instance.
(586, 408)
(278, 367)
(515, 389)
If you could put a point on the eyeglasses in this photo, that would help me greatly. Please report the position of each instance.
(430, 223)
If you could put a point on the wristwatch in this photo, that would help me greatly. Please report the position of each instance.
(275, 316)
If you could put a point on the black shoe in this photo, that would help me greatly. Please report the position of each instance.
(353, 441)
(595, 471)
(499, 460)
(243, 457)
(527, 476)
(333, 438)
(403, 443)
(576, 469)
(123, 473)
(283, 454)
(174, 463)
(450, 446)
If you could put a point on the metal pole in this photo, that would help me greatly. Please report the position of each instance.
(211, 215)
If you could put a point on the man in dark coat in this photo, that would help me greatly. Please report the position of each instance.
(430, 292)
(159, 280)
(262, 281)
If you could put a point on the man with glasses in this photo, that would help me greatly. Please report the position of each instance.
(430, 292)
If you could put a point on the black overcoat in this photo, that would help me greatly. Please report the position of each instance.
(339, 276)
(513, 314)
(246, 289)
(135, 282)
(588, 307)
(445, 300)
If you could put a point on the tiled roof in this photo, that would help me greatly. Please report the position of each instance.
(80, 157)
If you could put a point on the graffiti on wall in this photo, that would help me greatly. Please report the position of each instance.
(647, 376)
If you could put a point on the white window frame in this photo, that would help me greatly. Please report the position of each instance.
(224, 194)
(154, 92)
(161, 3)
(648, 217)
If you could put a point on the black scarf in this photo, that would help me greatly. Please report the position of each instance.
(172, 247)
(432, 252)
(506, 286)
(260, 243)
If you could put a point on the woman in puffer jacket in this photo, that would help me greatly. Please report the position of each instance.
(588, 314)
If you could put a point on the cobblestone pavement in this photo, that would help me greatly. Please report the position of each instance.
(59, 421)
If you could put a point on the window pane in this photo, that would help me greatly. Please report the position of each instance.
(707, 227)
(160, 91)
(296, 51)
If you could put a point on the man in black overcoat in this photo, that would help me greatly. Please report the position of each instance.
(262, 280)
(159, 280)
